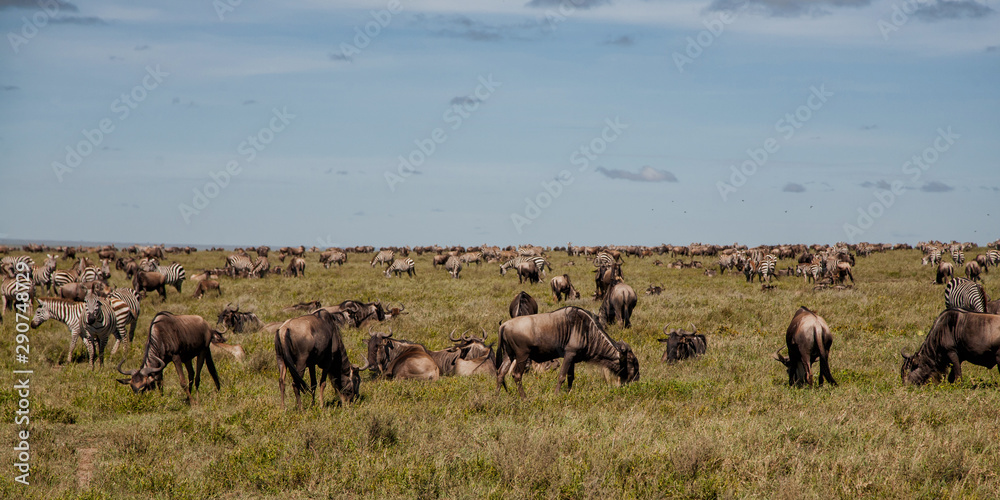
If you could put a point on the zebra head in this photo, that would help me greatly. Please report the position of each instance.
(42, 314)
(92, 308)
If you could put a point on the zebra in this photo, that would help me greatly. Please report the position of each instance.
(966, 295)
(95, 273)
(993, 257)
(932, 257)
(260, 267)
(125, 305)
(65, 311)
(173, 274)
(9, 288)
(236, 264)
(42, 276)
(766, 269)
(400, 266)
(603, 259)
(383, 257)
(958, 256)
(9, 263)
(148, 264)
(99, 322)
(454, 266)
(470, 257)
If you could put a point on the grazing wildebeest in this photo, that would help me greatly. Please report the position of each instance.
(571, 333)
(956, 336)
(843, 271)
(527, 270)
(206, 285)
(143, 282)
(523, 305)
(808, 338)
(682, 344)
(395, 359)
(174, 338)
(973, 270)
(946, 270)
(619, 301)
(296, 267)
(313, 341)
(604, 277)
(562, 286)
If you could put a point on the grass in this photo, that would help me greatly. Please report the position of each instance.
(722, 425)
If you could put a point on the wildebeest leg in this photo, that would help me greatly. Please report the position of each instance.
(520, 365)
(180, 375)
(211, 369)
(956, 367)
(197, 371)
(566, 372)
(312, 385)
(502, 372)
(322, 385)
(805, 357)
(281, 380)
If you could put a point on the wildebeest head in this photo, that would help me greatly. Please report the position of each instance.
(349, 385)
(796, 370)
(377, 356)
(628, 365)
(142, 380)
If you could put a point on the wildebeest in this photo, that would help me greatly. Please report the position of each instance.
(619, 301)
(562, 286)
(238, 321)
(359, 312)
(654, 290)
(143, 282)
(972, 270)
(206, 285)
(173, 338)
(604, 277)
(77, 291)
(395, 359)
(313, 341)
(946, 270)
(296, 267)
(523, 305)
(993, 307)
(808, 338)
(304, 306)
(682, 344)
(527, 270)
(843, 271)
(571, 333)
(956, 336)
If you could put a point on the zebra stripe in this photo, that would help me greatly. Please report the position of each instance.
(98, 323)
(383, 257)
(454, 266)
(65, 311)
(540, 263)
(238, 263)
(966, 295)
(400, 266)
(260, 267)
(993, 257)
(125, 305)
(173, 274)
(603, 259)
(958, 256)
(9, 263)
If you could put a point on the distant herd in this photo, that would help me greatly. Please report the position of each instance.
(968, 329)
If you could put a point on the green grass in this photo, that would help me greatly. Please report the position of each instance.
(722, 425)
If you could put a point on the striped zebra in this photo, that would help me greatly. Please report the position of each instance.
(603, 259)
(125, 304)
(766, 268)
(966, 295)
(9, 288)
(932, 257)
(958, 256)
(9, 263)
(42, 276)
(383, 257)
(993, 257)
(173, 274)
(95, 273)
(65, 311)
(237, 264)
(470, 257)
(454, 266)
(99, 322)
(513, 263)
(64, 277)
(400, 266)
(260, 267)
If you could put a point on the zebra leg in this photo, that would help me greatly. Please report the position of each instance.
(90, 351)
(73, 337)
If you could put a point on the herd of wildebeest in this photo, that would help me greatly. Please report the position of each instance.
(80, 296)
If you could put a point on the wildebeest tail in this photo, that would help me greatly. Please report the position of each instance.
(501, 350)
(286, 356)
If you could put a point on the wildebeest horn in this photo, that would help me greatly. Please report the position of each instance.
(224, 329)
(451, 336)
(485, 334)
(128, 373)
(665, 329)
(365, 367)
(694, 328)
(903, 354)
(402, 307)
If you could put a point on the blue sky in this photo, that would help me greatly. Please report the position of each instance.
(507, 93)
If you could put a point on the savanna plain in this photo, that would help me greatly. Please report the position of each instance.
(722, 425)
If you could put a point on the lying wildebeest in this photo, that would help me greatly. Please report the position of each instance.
(143, 282)
(474, 356)
(654, 290)
(946, 270)
(313, 341)
(239, 322)
(173, 338)
(396, 311)
(395, 359)
(619, 301)
(562, 286)
(77, 291)
(571, 333)
(359, 311)
(523, 305)
(808, 338)
(956, 336)
(682, 344)
(206, 285)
